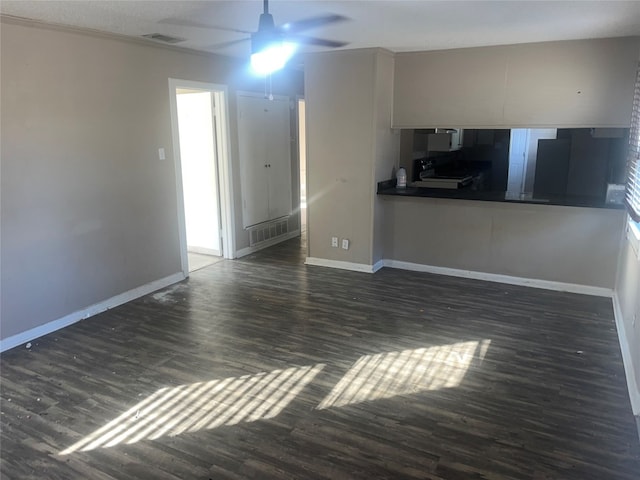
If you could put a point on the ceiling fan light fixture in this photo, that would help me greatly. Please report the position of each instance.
(272, 57)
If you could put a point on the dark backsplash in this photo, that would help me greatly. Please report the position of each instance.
(575, 163)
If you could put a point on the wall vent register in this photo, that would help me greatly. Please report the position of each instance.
(268, 231)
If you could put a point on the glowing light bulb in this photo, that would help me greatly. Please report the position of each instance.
(272, 58)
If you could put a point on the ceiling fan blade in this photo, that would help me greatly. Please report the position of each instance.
(220, 46)
(316, 41)
(193, 23)
(302, 25)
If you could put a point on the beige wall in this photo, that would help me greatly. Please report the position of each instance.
(348, 125)
(583, 83)
(517, 85)
(544, 242)
(88, 209)
(387, 142)
(628, 296)
(572, 84)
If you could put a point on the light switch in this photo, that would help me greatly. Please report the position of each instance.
(161, 154)
(345, 244)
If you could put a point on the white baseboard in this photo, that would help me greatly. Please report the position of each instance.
(243, 252)
(627, 359)
(74, 317)
(354, 267)
(378, 265)
(454, 272)
(495, 277)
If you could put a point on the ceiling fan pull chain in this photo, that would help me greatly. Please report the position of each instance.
(268, 95)
(270, 89)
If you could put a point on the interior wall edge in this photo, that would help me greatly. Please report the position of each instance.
(627, 360)
(54, 325)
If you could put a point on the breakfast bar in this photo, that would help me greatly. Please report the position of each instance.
(388, 188)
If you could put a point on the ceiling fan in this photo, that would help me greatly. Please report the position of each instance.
(271, 43)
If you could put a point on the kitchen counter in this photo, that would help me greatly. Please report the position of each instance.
(388, 187)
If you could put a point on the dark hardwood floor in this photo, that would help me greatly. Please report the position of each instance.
(266, 368)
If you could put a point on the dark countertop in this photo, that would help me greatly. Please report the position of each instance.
(388, 187)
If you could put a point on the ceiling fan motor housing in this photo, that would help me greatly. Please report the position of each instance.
(266, 35)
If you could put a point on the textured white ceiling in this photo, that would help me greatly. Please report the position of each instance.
(397, 25)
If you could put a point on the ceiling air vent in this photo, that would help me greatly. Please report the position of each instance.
(159, 37)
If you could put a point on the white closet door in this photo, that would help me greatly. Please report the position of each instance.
(278, 149)
(253, 170)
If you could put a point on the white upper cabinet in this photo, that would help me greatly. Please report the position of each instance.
(441, 88)
(264, 146)
(582, 83)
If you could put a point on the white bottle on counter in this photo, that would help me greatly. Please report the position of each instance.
(401, 178)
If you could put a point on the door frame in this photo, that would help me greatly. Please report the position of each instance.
(223, 163)
(300, 98)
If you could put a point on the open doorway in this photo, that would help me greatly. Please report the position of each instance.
(302, 155)
(200, 135)
(199, 177)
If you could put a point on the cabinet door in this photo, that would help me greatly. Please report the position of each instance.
(253, 170)
(278, 151)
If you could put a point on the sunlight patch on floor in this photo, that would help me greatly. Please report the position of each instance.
(386, 375)
(202, 406)
(206, 405)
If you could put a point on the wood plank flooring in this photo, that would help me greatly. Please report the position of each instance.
(265, 368)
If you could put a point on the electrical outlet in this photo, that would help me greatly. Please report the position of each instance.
(334, 241)
(345, 244)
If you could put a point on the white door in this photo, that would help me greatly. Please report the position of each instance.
(264, 147)
(302, 155)
(278, 148)
(199, 173)
(517, 155)
(251, 139)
